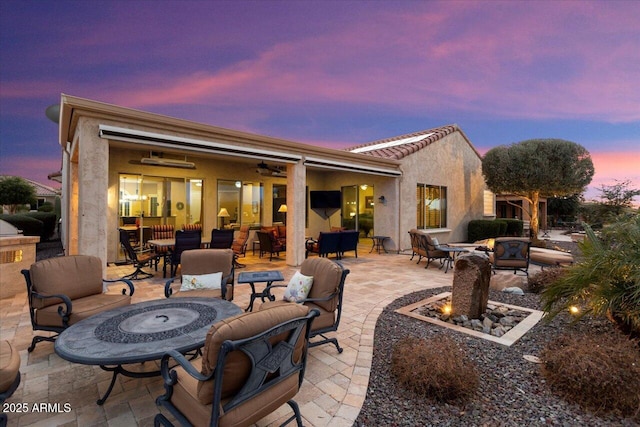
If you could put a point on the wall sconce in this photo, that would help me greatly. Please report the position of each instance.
(382, 200)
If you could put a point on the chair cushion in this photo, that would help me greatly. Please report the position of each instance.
(326, 280)
(81, 308)
(192, 282)
(185, 399)
(298, 287)
(204, 261)
(237, 366)
(75, 276)
(9, 365)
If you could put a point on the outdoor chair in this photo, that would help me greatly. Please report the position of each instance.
(428, 248)
(158, 232)
(325, 295)
(138, 259)
(9, 374)
(64, 290)
(348, 242)
(185, 240)
(198, 266)
(239, 244)
(327, 243)
(192, 227)
(268, 244)
(251, 365)
(511, 253)
(221, 239)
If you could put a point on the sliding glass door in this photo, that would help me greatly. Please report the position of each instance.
(155, 200)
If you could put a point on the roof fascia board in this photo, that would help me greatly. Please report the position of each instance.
(73, 107)
(190, 144)
(334, 165)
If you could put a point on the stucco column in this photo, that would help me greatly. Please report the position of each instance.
(296, 191)
(93, 181)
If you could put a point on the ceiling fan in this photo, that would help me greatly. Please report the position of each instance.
(266, 170)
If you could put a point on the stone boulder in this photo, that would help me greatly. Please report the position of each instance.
(470, 292)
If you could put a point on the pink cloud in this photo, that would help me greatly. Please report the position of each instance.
(549, 61)
(32, 167)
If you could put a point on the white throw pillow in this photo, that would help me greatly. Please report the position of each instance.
(298, 287)
(435, 241)
(191, 282)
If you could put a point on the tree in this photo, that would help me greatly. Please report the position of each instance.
(618, 197)
(538, 168)
(15, 191)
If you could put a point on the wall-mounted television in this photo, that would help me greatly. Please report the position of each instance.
(325, 199)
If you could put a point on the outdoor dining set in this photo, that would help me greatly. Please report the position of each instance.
(218, 361)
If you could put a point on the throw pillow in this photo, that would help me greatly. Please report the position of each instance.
(435, 242)
(192, 282)
(298, 287)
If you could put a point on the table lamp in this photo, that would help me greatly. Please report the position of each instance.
(223, 214)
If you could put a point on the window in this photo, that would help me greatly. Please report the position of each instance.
(489, 203)
(431, 206)
(242, 203)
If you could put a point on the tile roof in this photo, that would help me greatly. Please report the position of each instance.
(401, 146)
(41, 189)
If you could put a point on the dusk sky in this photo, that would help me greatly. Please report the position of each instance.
(331, 73)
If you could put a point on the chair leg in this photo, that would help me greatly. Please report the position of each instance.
(39, 338)
(296, 414)
(326, 340)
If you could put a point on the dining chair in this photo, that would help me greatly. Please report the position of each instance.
(185, 240)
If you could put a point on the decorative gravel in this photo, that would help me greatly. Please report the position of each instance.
(512, 391)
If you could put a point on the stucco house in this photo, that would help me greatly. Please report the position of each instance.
(120, 163)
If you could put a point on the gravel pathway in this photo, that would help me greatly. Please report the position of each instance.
(512, 391)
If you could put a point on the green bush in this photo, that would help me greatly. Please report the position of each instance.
(50, 221)
(515, 227)
(600, 372)
(480, 229)
(28, 225)
(606, 280)
(46, 207)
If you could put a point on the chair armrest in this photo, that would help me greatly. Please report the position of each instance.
(124, 290)
(169, 375)
(64, 313)
(168, 291)
(327, 298)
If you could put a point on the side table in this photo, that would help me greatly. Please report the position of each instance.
(253, 277)
(378, 243)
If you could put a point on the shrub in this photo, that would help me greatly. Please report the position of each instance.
(539, 281)
(29, 226)
(480, 229)
(50, 221)
(598, 372)
(515, 227)
(606, 281)
(436, 369)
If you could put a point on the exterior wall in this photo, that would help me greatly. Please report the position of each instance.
(450, 162)
(16, 253)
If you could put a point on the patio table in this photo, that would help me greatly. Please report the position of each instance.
(253, 277)
(140, 333)
(453, 251)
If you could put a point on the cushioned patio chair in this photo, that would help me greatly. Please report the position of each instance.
(9, 374)
(158, 232)
(138, 259)
(269, 244)
(429, 250)
(239, 244)
(64, 290)
(349, 242)
(325, 295)
(252, 364)
(185, 240)
(198, 266)
(327, 243)
(511, 253)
